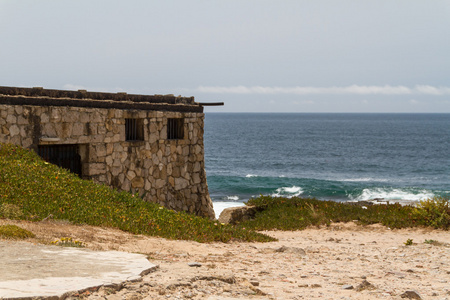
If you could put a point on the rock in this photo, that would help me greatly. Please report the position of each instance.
(365, 285)
(234, 215)
(293, 250)
(194, 264)
(411, 295)
(254, 282)
(347, 287)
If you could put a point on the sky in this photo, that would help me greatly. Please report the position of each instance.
(253, 55)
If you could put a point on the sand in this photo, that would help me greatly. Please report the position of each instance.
(342, 261)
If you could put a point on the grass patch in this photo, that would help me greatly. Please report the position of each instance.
(409, 242)
(68, 242)
(14, 232)
(298, 213)
(10, 211)
(435, 212)
(32, 189)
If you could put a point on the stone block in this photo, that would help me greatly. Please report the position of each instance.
(11, 119)
(18, 109)
(137, 182)
(77, 129)
(14, 130)
(109, 161)
(22, 121)
(126, 185)
(55, 115)
(160, 183)
(131, 175)
(181, 183)
(96, 169)
(100, 150)
(85, 117)
(196, 178)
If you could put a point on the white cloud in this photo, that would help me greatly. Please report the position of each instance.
(431, 90)
(308, 90)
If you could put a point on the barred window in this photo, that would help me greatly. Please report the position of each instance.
(134, 130)
(175, 128)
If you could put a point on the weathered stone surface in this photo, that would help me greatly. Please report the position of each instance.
(365, 285)
(411, 295)
(293, 250)
(14, 130)
(234, 215)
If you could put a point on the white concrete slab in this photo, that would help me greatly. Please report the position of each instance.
(30, 270)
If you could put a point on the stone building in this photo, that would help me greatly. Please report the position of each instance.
(151, 145)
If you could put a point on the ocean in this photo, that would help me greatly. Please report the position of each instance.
(341, 157)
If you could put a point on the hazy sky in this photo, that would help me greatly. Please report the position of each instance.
(254, 55)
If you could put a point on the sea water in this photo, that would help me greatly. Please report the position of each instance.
(340, 157)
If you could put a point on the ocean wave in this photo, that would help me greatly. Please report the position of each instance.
(365, 179)
(233, 198)
(293, 191)
(393, 194)
(251, 175)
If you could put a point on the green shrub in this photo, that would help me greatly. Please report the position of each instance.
(68, 242)
(298, 213)
(10, 211)
(14, 232)
(409, 242)
(434, 212)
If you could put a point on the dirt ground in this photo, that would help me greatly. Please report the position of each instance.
(342, 261)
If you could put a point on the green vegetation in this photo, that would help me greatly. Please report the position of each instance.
(435, 212)
(409, 242)
(299, 213)
(436, 243)
(32, 189)
(14, 232)
(68, 242)
(10, 211)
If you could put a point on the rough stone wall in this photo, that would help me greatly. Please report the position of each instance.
(167, 171)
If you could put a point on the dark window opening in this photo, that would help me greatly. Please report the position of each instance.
(134, 130)
(65, 156)
(175, 129)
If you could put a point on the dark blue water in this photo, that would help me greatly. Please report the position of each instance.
(327, 156)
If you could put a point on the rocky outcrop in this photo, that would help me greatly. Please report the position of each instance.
(234, 215)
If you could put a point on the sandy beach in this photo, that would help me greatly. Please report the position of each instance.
(342, 261)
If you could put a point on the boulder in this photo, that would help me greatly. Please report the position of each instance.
(411, 295)
(234, 215)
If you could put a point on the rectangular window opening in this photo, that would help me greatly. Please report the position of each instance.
(175, 128)
(134, 130)
(65, 156)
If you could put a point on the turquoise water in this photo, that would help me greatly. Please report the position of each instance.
(339, 157)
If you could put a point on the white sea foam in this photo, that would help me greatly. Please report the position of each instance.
(219, 206)
(251, 175)
(293, 191)
(233, 198)
(364, 179)
(393, 195)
